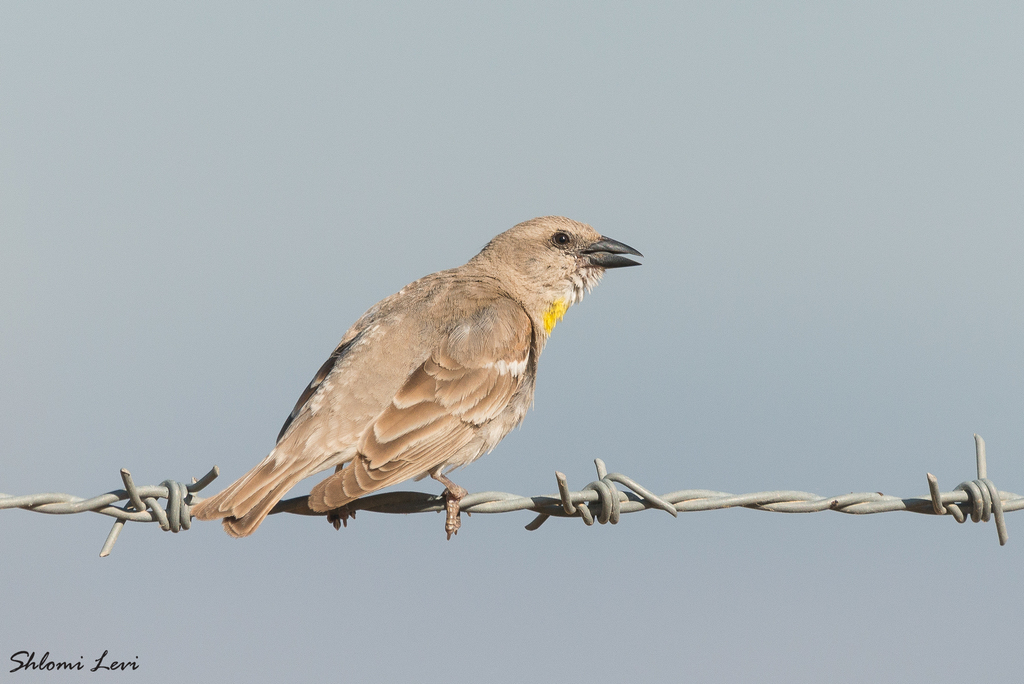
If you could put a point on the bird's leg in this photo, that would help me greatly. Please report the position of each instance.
(453, 493)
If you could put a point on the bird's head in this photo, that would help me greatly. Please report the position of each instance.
(549, 263)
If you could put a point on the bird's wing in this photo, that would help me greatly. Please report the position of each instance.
(337, 355)
(469, 379)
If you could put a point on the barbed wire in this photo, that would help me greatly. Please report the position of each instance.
(980, 497)
(142, 507)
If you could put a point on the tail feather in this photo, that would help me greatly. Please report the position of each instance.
(244, 504)
(246, 524)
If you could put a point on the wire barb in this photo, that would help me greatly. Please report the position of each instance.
(983, 498)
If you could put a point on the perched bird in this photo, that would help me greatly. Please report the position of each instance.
(429, 378)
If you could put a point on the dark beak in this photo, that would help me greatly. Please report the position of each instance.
(608, 253)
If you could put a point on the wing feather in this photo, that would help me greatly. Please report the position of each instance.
(395, 423)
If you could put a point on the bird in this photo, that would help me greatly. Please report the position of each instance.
(428, 379)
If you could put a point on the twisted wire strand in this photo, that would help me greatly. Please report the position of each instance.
(980, 497)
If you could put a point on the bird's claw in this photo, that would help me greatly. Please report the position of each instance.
(453, 521)
(340, 516)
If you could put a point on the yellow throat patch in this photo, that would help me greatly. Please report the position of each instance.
(554, 314)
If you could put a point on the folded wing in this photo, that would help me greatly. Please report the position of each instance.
(443, 413)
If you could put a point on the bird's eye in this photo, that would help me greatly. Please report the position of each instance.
(561, 239)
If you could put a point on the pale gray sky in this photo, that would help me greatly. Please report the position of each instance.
(196, 202)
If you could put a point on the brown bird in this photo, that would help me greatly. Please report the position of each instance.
(430, 378)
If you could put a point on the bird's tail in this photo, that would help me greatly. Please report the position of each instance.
(244, 504)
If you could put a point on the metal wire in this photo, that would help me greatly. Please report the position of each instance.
(980, 497)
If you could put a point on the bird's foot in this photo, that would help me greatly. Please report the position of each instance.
(453, 494)
(340, 516)
(453, 521)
